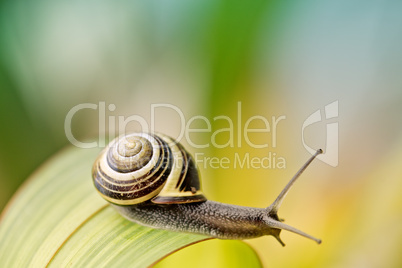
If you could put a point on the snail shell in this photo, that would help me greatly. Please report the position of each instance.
(140, 167)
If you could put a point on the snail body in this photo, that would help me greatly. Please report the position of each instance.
(152, 180)
(207, 218)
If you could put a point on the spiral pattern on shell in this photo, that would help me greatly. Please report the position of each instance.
(135, 168)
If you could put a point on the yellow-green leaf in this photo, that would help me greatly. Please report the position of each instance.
(213, 253)
(57, 219)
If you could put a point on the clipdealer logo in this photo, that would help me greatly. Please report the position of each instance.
(235, 131)
(330, 155)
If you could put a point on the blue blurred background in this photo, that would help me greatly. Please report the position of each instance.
(275, 57)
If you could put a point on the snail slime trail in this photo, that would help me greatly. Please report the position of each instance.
(152, 180)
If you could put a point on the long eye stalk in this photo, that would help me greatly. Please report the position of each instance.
(272, 210)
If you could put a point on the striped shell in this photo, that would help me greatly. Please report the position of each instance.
(139, 167)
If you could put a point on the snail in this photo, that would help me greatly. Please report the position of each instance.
(150, 179)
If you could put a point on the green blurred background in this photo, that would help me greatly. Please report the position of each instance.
(275, 57)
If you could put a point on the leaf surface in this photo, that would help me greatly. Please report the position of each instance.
(57, 219)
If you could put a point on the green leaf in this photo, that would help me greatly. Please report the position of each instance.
(57, 219)
(213, 253)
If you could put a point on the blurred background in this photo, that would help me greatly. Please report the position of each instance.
(277, 58)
